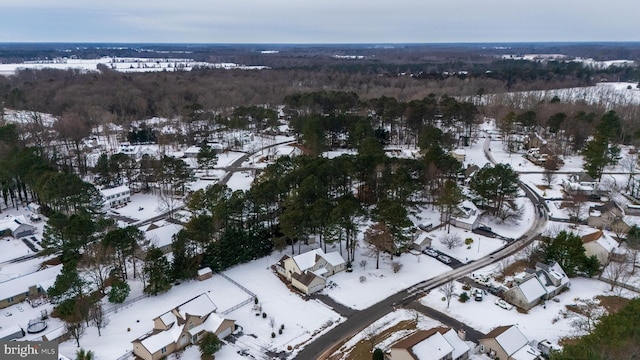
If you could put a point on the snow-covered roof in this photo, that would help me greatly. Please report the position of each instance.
(168, 318)
(199, 306)
(56, 333)
(421, 238)
(192, 150)
(161, 339)
(212, 324)
(21, 284)
(511, 339)
(532, 289)
(204, 271)
(434, 347)
(558, 273)
(607, 242)
(334, 258)
(470, 212)
(307, 260)
(602, 239)
(459, 347)
(114, 191)
(526, 353)
(10, 331)
(11, 222)
(163, 235)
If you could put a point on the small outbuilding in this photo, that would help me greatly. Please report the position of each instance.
(204, 274)
(422, 242)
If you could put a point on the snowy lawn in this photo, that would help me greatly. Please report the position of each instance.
(538, 324)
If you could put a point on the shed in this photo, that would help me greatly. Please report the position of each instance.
(204, 274)
(422, 242)
(34, 208)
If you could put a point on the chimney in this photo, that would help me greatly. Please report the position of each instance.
(462, 334)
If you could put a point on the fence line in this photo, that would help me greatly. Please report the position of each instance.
(620, 284)
(238, 285)
(236, 307)
(125, 304)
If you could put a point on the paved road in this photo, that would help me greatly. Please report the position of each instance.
(471, 333)
(325, 345)
(230, 170)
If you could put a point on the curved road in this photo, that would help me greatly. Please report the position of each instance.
(328, 343)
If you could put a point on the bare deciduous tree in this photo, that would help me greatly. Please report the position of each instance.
(548, 176)
(575, 205)
(98, 317)
(380, 238)
(629, 163)
(448, 290)
(617, 273)
(75, 330)
(585, 314)
(451, 240)
(363, 264)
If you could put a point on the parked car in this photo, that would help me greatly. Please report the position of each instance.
(546, 347)
(430, 252)
(478, 294)
(426, 227)
(444, 258)
(481, 279)
(503, 304)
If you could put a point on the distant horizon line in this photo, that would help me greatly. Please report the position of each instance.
(324, 43)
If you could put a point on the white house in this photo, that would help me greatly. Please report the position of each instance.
(17, 226)
(116, 197)
(465, 216)
(307, 271)
(599, 244)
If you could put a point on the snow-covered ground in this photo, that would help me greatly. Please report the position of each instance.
(304, 320)
(541, 322)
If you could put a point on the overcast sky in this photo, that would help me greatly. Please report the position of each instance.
(326, 21)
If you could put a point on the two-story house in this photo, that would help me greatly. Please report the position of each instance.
(181, 326)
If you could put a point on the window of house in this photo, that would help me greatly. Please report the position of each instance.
(193, 339)
(191, 325)
(163, 350)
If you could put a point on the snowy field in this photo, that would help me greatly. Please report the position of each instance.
(121, 64)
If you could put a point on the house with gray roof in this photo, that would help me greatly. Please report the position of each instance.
(535, 286)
